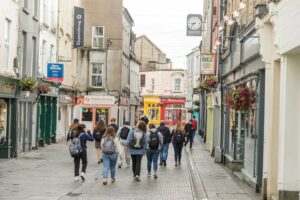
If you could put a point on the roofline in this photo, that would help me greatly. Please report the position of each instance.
(144, 36)
(128, 14)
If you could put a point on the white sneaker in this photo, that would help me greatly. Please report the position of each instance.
(149, 174)
(82, 176)
(76, 178)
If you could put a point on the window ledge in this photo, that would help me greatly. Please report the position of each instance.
(35, 18)
(177, 91)
(25, 10)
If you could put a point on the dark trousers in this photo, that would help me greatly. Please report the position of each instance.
(82, 157)
(189, 139)
(177, 151)
(136, 164)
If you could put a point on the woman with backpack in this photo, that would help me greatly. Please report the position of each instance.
(136, 142)
(82, 136)
(178, 137)
(111, 148)
(99, 131)
(122, 134)
(154, 143)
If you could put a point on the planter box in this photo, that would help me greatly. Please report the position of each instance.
(27, 96)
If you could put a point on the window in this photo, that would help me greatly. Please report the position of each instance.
(25, 4)
(87, 114)
(143, 80)
(51, 53)
(35, 8)
(98, 37)
(43, 68)
(24, 52)
(3, 121)
(6, 43)
(34, 57)
(97, 73)
(45, 13)
(152, 84)
(177, 86)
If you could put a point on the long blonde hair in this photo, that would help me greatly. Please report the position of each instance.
(179, 128)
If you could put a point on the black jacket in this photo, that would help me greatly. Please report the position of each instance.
(165, 131)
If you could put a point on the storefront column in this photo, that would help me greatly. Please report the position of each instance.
(53, 119)
(289, 129)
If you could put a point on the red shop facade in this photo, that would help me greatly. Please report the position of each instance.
(173, 110)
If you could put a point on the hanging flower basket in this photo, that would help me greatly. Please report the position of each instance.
(208, 83)
(241, 98)
(190, 110)
(27, 84)
(43, 89)
(197, 102)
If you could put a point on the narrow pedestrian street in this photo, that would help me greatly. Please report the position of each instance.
(48, 174)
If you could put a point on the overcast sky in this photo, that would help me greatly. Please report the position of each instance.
(164, 22)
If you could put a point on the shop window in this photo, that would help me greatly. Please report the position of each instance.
(87, 114)
(3, 121)
(153, 112)
(97, 74)
(98, 37)
(102, 114)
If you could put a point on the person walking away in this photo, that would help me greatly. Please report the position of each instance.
(122, 134)
(83, 136)
(111, 148)
(154, 144)
(178, 136)
(165, 131)
(145, 119)
(136, 142)
(98, 133)
(195, 126)
(113, 124)
(73, 129)
(189, 131)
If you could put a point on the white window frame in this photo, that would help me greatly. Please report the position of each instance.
(35, 8)
(176, 84)
(93, 74)
(93, 36)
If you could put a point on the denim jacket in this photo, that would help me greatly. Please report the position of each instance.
(136, 151)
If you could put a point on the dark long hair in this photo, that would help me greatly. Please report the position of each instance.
(100, 126)
(142, 126)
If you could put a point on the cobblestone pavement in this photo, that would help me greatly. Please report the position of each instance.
(47, 174)
(218, 182)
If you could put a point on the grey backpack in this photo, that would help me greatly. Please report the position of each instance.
(75, 147)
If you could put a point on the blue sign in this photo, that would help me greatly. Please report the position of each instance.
(55, 72)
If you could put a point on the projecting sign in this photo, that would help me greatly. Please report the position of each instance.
(55, 72)
(194, 25)
(207, 64)
(78, 31)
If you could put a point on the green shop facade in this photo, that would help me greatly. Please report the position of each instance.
(8, 119)
(47, 115)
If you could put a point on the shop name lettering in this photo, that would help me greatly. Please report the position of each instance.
(206, 59)
(6, 87)
(55, 68)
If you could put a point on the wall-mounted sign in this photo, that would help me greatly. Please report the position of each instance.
(194, 25)
(207, 64)
(55, 72)
(78, 32)
(143, 80)
(99, 100)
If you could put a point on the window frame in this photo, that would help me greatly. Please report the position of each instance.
(7, 29)
(93, 36)
(176, 84)
(96, 74)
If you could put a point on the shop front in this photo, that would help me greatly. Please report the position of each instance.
(65, 115)
(152, 109)
(91, 109)
(47, 116)
(173, 111)
(8, 119)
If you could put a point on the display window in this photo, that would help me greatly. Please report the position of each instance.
(3, 121)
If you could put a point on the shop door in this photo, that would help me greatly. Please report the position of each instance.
(102, 114)
(25, 126)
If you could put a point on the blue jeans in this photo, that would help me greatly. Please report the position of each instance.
(152, 156)
(164, 152)
(109, 163)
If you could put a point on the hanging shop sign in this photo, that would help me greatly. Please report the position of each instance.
(207, 64)
(99, 100)
(55, 72)
(8, 87)
(78, 31)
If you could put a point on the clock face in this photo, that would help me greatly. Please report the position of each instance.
(194, 23)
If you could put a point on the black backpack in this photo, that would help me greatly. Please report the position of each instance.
(153, 140)
(137, 140)
(178, 138)
(165, 131)
(124, 133)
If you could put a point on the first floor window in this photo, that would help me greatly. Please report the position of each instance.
(97, 75)
(98, 37)
(177, 87)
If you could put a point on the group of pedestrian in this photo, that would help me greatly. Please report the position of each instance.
(127, 145)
